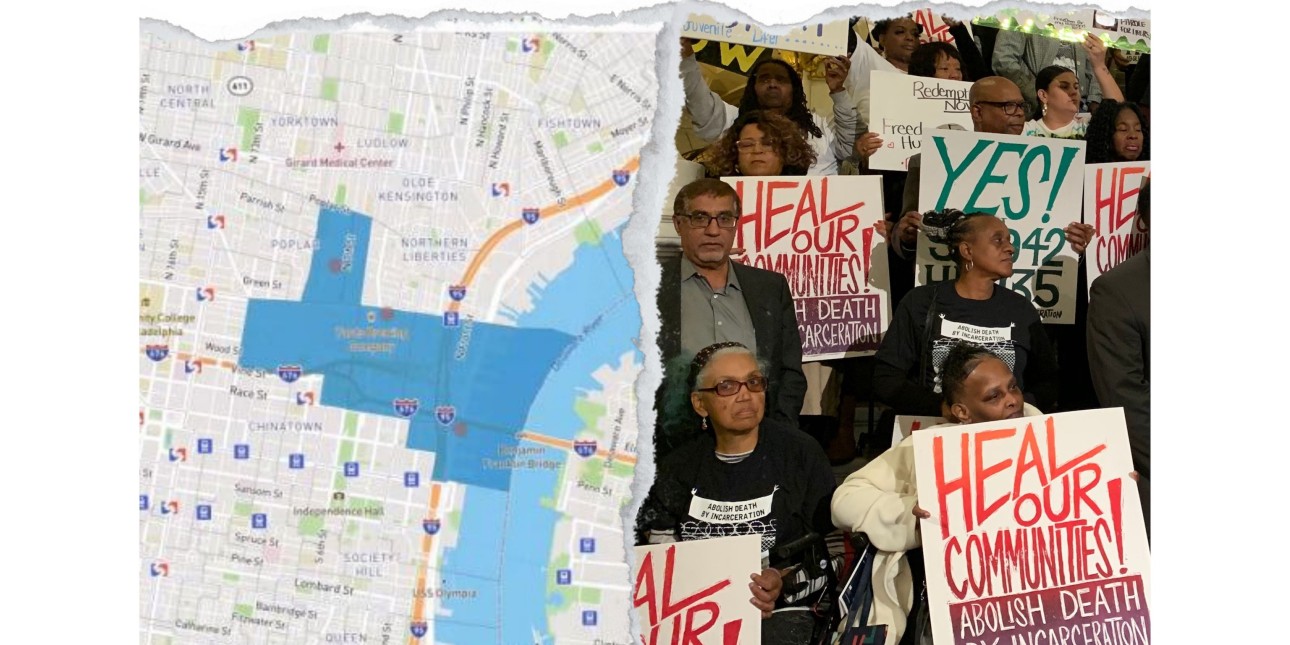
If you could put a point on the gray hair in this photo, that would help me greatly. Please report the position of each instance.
(703, 360)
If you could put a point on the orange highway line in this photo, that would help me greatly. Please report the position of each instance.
(419, 605)
(205, 361)
(550, 211)
(568, 445)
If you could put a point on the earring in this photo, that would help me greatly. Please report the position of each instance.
(968, 268)
(705, 423)
(1044, 109)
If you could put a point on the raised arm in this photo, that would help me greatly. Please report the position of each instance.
(1108, 88)
(972, 60)
(709, 114)
(845, 118)
(864, 60)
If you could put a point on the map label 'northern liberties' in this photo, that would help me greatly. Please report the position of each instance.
(386, 332)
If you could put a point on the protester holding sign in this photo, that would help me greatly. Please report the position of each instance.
(1033, 532)
(898, 38)
(749, 475)
(971, 307)
(775, 86)
(936, 59)
(759, 144)
(881, 499)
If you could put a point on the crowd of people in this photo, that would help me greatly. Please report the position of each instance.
(729, 411)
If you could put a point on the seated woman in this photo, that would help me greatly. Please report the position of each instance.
(778, 472)
(881, 499)
(1058, 91)
(907, 369)
(759, 144)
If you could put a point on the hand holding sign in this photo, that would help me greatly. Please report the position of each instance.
(867, 144)
(1079, 235)
(765, 587)
(909, 226)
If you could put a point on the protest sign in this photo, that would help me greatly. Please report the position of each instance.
(1033, 184)
(906, 424)
(820, 233)
(1119, 32)
(902, 108)
(1111, 206)
(697, 591)
(729, 56)
(1036, 531)
(934, 28)
(829, 38)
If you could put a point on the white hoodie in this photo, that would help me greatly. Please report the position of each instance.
(878, 500)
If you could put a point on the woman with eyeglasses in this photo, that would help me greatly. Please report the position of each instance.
(759, 144)
(744, 475)
(1057, 88)
(972, 307)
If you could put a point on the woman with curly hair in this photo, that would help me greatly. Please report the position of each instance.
(774, 86)
(1117, 133)
(759, 144)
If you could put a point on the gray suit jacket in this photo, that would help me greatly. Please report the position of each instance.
(1119, 355)
(779, 344)
(1019, 57)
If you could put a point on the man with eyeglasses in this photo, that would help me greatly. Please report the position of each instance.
(705, 298)
(997, 108)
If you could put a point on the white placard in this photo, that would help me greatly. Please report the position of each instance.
(821, 233)
(1034, 184)
(681, 587)
(828, 38)
(1036, 534)
(1111, 206)
(903, 108)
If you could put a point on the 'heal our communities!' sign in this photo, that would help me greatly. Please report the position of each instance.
(1033, 184)
(903, 108)
(1111, 206)
(1036, 531)
(821, 233)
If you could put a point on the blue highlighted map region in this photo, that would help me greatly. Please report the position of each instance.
(466, 390)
